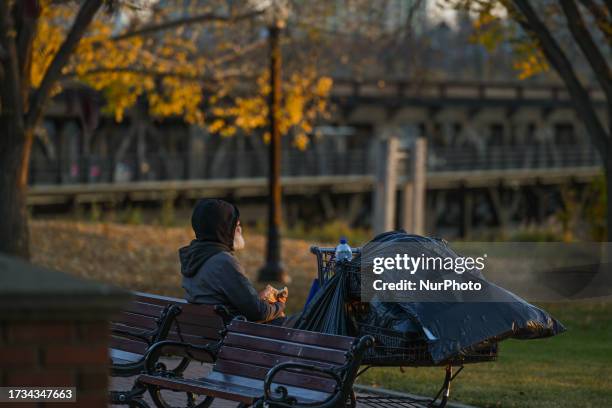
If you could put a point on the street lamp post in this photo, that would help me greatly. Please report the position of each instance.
(273, 269)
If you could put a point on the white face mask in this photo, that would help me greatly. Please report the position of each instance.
(238, 239)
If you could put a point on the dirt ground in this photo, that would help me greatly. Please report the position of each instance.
(145, 258)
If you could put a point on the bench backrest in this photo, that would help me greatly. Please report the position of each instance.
(251, 349)
(195, 324)
(140, 316)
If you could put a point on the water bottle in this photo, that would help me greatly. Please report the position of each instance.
(343, 251)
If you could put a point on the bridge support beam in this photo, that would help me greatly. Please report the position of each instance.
(196, 156)
(385, 185)
(407, 207)
(467, 203)
(413, 191)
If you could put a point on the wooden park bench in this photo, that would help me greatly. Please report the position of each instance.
(264, 365)
(149, 319)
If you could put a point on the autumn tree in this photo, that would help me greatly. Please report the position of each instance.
(574, 38)
(180, 58)
(21, 107)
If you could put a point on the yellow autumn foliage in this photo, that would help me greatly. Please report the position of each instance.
(305, 97)
(170, 71)
(529, 60)
(491, 30)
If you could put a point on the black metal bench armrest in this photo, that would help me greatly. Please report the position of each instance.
(283, 399)
(176, 348)
(341, 375)
(362, 345)
(224, 313)
(164, 322)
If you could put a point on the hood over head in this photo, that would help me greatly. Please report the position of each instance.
(214, 224)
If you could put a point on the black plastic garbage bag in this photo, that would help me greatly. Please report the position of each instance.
(328, 312)
(454, 326)
(450, 328)
(390, 315)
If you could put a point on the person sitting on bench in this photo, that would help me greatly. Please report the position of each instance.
(211, 273)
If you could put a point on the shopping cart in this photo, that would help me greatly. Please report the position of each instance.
(393, 348)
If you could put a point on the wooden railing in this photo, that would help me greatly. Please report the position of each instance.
(183, 166)
(448, 90)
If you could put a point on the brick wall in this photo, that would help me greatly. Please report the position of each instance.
(54, 332)
(60, 354)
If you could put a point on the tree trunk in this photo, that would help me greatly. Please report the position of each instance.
(17, 123)
(14, 154)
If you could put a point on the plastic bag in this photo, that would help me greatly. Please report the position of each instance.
(327, 312)
(448, 327)
(451, 327)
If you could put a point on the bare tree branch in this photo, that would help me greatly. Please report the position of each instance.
(239, 53)
(186, 21)
(533, 25)
(81, 22)
(409, 22)
(602, 18)
(211, 79)
(593, 55)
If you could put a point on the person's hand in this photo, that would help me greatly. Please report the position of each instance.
(273, 295)
(268, 294)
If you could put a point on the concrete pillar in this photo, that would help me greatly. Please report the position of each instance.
(407, 205)
(420, 177)
(413, 191)
(69, 151)
(143, 168)
(240, 160)
(467, 202)
(385, 185)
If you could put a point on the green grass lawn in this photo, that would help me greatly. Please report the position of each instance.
(570, 370)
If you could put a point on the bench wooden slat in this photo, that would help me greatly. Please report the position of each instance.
(201, 356)
(156, 299)
(123, 357)
(265, 359)
(116, 360)
(191, 310)
(187, 308)
(310, 352)
(294, 378)
(198, 323)
(294, 335)
(231, 392)
(145, 309)
(195, 340)
(211, 331)
(136, 331)
(133, 346)
(302, 394)
(135, 320)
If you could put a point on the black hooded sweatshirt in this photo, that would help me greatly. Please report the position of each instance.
(211, 274)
